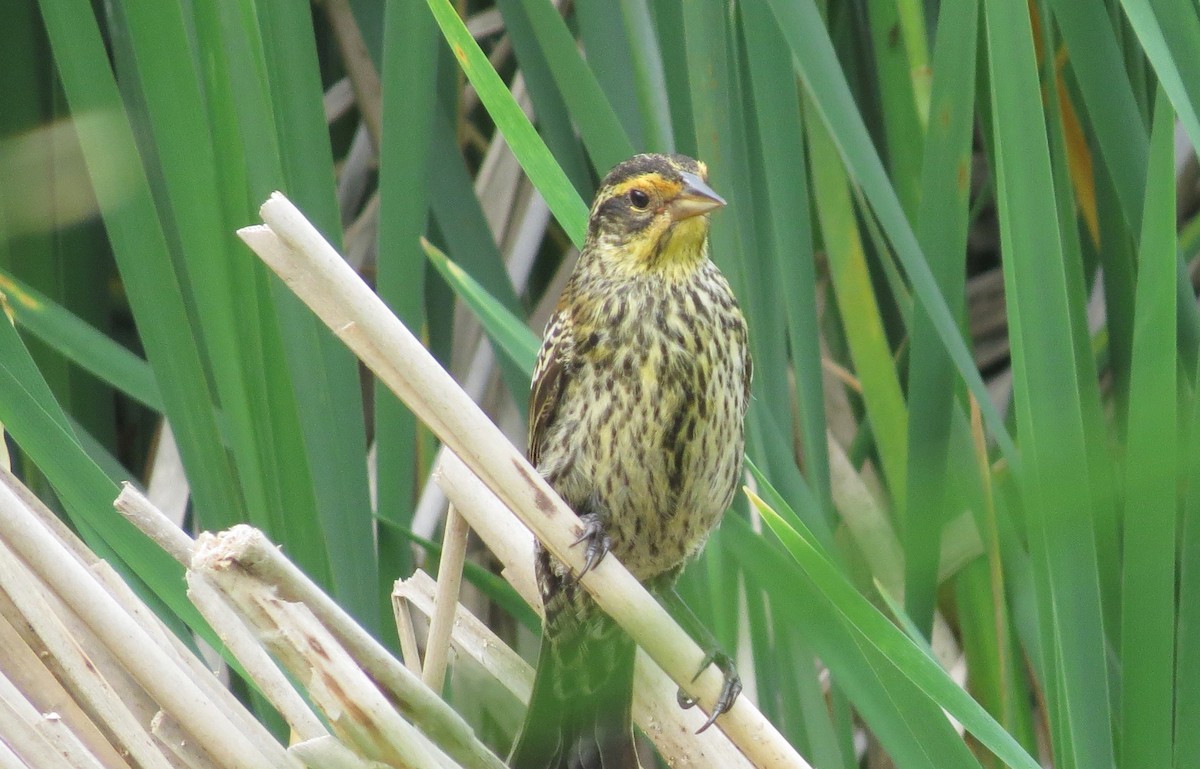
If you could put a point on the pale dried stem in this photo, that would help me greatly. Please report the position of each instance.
(294, 249)
(30, 667)
(505, 536)
(356, 710)
(328, 753)
(437, 645)
(86, 685)
(192, 666)
(177, 743)
(51, 522)
(258, 562)
(42, 740)
(153, 668)
(29, 747)
(144, 514)
(470, 637)
(256, 557)
(9, 759)
(39, 676)
(409, 648)
(517, 224)
(242, 643)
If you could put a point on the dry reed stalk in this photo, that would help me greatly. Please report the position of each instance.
(295, 619)
(87, 666)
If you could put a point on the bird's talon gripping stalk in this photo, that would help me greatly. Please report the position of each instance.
(730, 689)
(597, 539)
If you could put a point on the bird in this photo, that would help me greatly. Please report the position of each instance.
(636, 419)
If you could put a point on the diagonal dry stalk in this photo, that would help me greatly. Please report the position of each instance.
(294, 249)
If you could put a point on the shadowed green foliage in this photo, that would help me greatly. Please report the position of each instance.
(964, 235)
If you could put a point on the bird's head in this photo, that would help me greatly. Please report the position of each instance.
(651, 213)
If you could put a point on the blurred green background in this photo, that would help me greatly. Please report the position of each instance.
(964, 234)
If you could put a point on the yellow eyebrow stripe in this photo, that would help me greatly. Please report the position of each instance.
(665, 188)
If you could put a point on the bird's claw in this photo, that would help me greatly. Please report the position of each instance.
(597, 540)
(730, 689)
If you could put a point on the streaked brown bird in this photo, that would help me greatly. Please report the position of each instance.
(636, 420)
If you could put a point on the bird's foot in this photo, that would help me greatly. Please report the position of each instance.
(598, 542)
(730, 689)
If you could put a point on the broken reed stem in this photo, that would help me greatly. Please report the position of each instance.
(305, 261)
(450, 569)
(255, 556)
(141, 512)
(241, 641)
(153, 668)
(409, 648)
(357, 711)
(471, 637)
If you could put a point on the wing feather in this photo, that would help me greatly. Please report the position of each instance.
(549, 375)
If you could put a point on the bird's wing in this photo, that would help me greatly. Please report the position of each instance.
(548, 377)
(747, 376)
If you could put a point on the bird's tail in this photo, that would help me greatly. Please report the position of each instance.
(579, 714)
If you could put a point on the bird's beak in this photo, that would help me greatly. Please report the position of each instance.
(694, 199)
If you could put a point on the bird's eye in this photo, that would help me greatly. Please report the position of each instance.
(639, 199)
